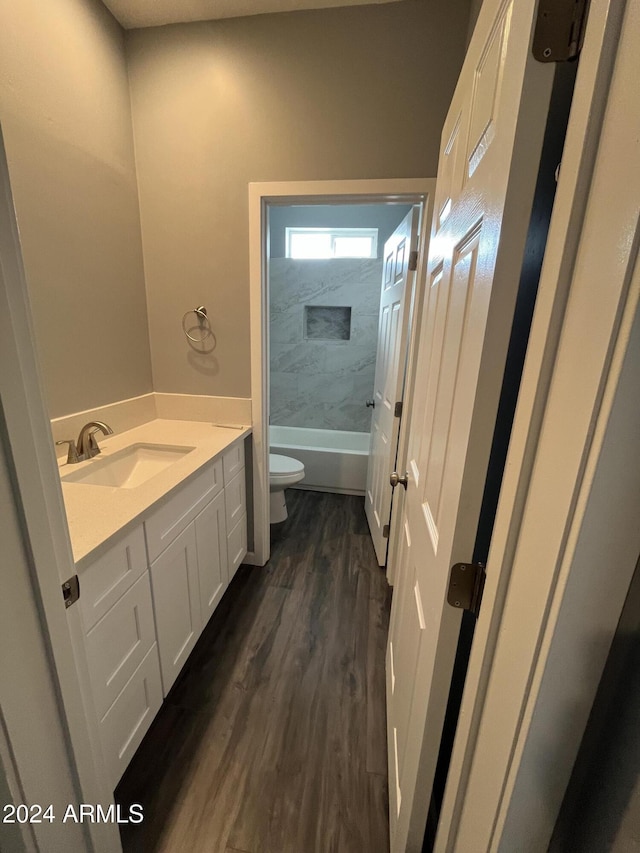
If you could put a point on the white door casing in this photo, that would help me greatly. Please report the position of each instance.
(489, 158)
(36, 489)
(391, 357)
(262, 196)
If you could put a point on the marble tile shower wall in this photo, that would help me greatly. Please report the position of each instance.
(323, 383)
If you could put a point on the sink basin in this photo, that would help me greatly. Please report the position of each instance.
(129, 467)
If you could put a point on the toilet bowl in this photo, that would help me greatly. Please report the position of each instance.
(283, 472)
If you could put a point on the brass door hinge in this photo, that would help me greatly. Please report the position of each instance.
(466, 585)
(413, 260)
(559, 32)
(385, 531)
(397, 409)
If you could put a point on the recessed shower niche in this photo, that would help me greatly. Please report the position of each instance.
(327, 323)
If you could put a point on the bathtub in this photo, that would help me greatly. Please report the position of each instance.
(334, 460)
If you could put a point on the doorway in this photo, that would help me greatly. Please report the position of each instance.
(325, 268)
(340, 282)
(265, 201)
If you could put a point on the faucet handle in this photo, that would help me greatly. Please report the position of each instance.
(92, 444)
(72, 455)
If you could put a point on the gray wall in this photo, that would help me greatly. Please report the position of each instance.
(357, 92)
(384, 217)
(66, 119)
(340, 93)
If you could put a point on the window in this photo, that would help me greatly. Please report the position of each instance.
(322, 243)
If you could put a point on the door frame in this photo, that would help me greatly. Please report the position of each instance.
(37, 497)
(262, 195)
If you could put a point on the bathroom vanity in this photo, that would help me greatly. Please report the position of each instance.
(154, 556)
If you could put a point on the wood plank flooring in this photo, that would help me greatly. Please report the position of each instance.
(273, 739)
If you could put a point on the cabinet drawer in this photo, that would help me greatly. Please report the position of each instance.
(235, 499)
(170, 519)
(237, 545)
(110, 576)
(128, 719)
(233, 460)
(117, 644)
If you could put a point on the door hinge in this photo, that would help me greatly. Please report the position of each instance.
(413, 260)
(71, 590)
(466, 585)
(385, 531)
(397, 409)
(559, 32)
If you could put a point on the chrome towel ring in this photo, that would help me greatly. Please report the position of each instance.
(203, 324)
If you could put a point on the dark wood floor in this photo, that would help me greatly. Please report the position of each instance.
(273, 738)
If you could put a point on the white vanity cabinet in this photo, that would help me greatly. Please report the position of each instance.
(145, 601)
(235, 493)
(187, 542)
(165, 522)
(120, 648)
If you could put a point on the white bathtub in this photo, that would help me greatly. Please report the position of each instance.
(334, 460)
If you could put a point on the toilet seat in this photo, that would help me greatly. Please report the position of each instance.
(283, 467)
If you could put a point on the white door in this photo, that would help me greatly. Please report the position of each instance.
(390, 366)
(489, 158)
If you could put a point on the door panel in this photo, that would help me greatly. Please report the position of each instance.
(443, 377)
(485, 94)
(389, 377)
(486, 178)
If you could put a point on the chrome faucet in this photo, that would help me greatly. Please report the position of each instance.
(87, 446)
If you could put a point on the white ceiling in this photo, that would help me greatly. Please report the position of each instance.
(155, 13)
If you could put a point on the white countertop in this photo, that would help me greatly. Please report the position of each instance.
(98, 513)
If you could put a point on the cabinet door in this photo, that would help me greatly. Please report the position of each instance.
(176, 601)
(211, 543)
(237, 546)
(233, 461)
(235, 496)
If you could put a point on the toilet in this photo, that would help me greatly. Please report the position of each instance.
(283, 472)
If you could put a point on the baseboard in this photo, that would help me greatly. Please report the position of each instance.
(330, 490)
